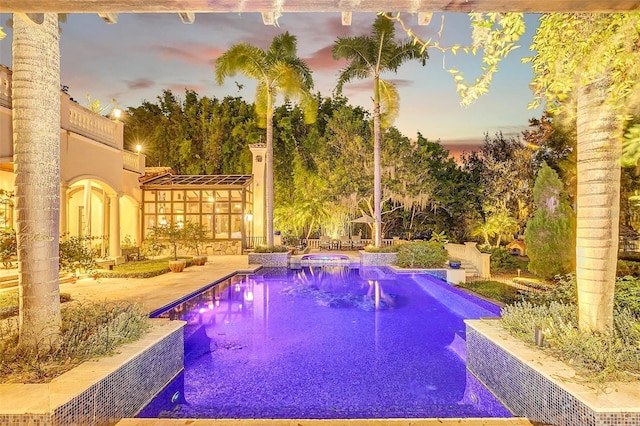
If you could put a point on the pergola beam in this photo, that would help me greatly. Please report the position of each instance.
(285, 6)
(346, 18)
(187, 17)
(109, 17)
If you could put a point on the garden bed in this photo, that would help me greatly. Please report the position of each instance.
(100, 391)
(535, 385)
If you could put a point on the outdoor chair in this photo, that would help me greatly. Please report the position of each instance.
(345, 243)
(357, 243)
(325, 242)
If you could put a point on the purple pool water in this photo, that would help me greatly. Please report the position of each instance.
(327, 342)
(325, 256)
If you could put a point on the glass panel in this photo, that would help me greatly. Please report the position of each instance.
(193, 207)
(222, 196)
(149, 222)
(236, 226)
(236, 207)
(207, 201)
(236, 195)
(222, 227)
(149, 207)
(179, 220)
(178, 195)
(164, 196)
(192, 218)
(193, 196)
(164, 208)
(222, 207)
(163, 220)
(149, 195)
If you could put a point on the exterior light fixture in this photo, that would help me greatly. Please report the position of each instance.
(249, 216)
(116, 113)
(138, 148)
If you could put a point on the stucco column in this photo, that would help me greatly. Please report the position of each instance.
(137, 234)
(258, 151)
(64, 220)
(87, 208)
(114, 225)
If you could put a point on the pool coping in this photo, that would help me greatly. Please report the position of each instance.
(82, 393)
(535, 385)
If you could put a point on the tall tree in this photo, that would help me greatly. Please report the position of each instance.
(590, 62)
(36, 141)
(367, 58)
(278, 70)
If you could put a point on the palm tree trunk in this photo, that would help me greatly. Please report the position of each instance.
(36, 137)
(377, 178)
(598, 207)
(269, 171)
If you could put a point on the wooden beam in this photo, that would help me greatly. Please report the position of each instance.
(187, 17)
(35, 18)
(109, 17)
(268, 18)
(245, 6)
(346, 18)
(424, 18)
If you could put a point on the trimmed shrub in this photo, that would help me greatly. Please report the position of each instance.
(271, 249)
(550, 235)
(427, 254)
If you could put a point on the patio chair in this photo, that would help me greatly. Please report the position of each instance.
(345, 243)
(325, 242)
(357, 243)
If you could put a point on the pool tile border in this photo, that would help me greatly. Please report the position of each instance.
(534, 385)
(100, 391)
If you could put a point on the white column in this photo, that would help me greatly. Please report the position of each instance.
(114, 225)
(87, 208)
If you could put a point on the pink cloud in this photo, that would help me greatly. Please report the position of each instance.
(322, 60)
(192, 53)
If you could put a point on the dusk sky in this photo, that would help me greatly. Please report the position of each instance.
(141, 55)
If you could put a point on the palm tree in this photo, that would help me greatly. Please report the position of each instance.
(596, 57)
(277, 70)
(36, 135)
(369, 57)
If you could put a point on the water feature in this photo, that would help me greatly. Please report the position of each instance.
(327, 342)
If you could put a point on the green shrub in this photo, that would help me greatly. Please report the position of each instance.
(427, 254)
(76, 254)
(271, 249)
(503, 261)
(141, 269)
(394, 248)
(88, 331)
(600, 357)
(495, 290)
(9, 303)
(628, 268)
(550, 234)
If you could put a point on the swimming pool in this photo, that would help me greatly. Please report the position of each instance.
(327, 342)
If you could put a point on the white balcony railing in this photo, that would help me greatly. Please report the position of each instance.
(133, 161)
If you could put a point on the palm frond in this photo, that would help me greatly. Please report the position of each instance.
(356, 49)
(241, 58)
(389, 102)
(353, 71)
(284, 46)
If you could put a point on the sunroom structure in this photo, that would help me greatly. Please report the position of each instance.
(223, 204)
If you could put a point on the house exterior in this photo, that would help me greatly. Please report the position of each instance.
(104, 192)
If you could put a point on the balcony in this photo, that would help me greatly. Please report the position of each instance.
(79, 120)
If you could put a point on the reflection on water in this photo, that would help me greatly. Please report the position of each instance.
(340, 287)
(234, 297)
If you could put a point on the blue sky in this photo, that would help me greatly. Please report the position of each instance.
(141, 55)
